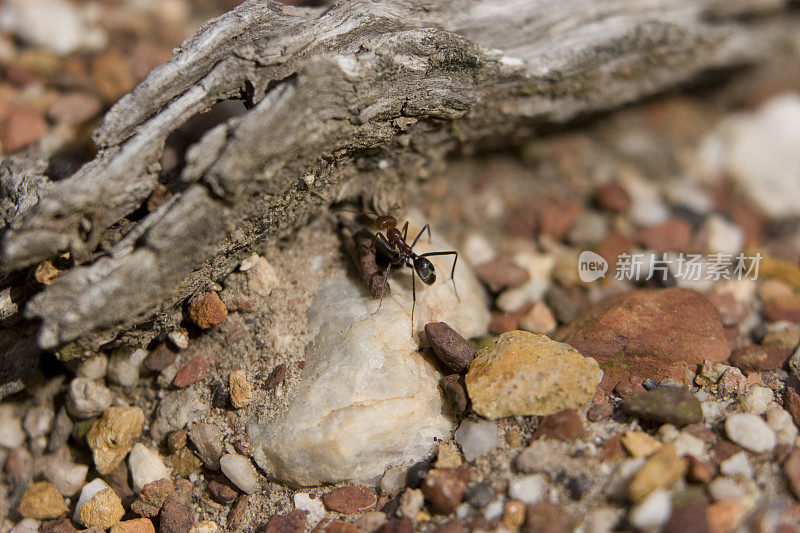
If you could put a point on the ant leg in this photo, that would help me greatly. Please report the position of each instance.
(425, 227)
(452, 270)
(405, 230)
(413, 301)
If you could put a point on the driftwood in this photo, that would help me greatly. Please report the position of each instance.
(353, 98)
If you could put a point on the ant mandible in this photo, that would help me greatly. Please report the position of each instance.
(394, 247)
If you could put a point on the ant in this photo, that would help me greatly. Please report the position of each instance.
(394, 247)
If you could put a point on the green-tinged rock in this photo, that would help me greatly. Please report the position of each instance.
(523, 373)
(666, 405)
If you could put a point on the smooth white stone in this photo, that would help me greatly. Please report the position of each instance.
(750, 432)
(477, 438)
(527, 489)
(146, 466)
(240, 471)
(653, 512)
(313, 506)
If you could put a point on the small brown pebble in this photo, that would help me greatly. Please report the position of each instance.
(242, 446)
(755, 358)
(222, 491)
(451, 526)
(444, 488)
(672, 235)
(723, 450)
(565, 425)
(791, 468)
(454, 392)
(61, 525)
(501, 273)
(195, 370)
(452, 349)
(546, 517)
(724, 515)
(152, 497)
(160, 358)
(160, 195)
(137, 525)
(294, 522)
(513, 437)
(397, 525)
(21, 127)
(791, 400)
(176, 517)
(185, 462)
(177, 440)
(699, 471)
(613, 197)
(782, 308)
(339, 526)
(206, 310)
(74, 108)
(118, 480)
(112, 76)
(350, 499)
(557, 217)
(599, 411)
(42, 501)
(238, 509)
(612, 449)
(183, 492)
(275, 377)
(690, 517)
(701, 432)
(500, 322)
(240, 389)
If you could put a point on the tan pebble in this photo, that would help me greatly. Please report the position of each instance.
(724, 515)
(662, 468)
(137, 525)
(513, 515)
(639, 443)
(538, 319)
(111, 437)
(513, 438)
(448, 456)
(184, 462)
(42, 501)
(241, 389)
(103, 511)
(422, 516)
(205, 526)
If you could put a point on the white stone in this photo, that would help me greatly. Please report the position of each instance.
(588, 230)
(686, 193)
(653, 511)
(53, 24)
(721, 236)
(724, 488)
(178, 339)
(411, 501)
(780, 421)
(249, 262)
(366, 399)
(750, 432)
(39, 421)
(493, 510)
(146, 466)
(207, 438)
(737, 465)
(527, 489)
(262, 277)
(93, 368)
(176, 410)
(539, 267)
(477, 438)
(68, 477)
(11, 433)
(206, 526)
(26, 525)
(87, 398)
(688, 444)
(87, 493)
(667, 433)
(602, 520)
(647, 206)
(756, 400)
(124, 366)
(240, 471)
(712, 411)
(479, 249)
(311, 504)
(759, 150)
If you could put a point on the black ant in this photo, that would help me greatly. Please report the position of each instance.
(393, 246)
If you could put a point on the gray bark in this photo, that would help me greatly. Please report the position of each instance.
(354, 98)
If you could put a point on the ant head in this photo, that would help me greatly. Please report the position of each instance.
(425, 270)
(385, 221)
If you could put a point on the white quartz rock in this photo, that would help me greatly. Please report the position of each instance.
(477, 438)
(57, 25)
(68, 477)
(146, 466)
(11, 434)
(240, 471)
(366, 399)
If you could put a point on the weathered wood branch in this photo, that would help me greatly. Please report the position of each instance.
(339, 97)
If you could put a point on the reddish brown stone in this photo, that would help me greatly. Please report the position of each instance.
(160, 195)
(444, 488)
(177, 440)
(565, 425)
(350, 499)
(397, 525)
(275, 377)
(792, 470)
(238, 509)
(791, 400)
(699, 471)
(176, 517)
(722, 451)
(21, 127)
(612, 449)
(74, 108)
(450, 348)
(701, 432)
(657, 333)
(501, 273)
(222, 490)
(672, 235)
(451, 526)
(454, 392)
(206, 310)
(294, 522)
(500, 322)
(160, 358)
(614, 245)
(112, 75)
(613, 197)
(546, 517)
(195, 370)
(557, 217)
(688, 518)
(60, 525)
(785, 307)
(337, 526)
(599, 411)
(755, 358)
(629, 386)
(152, 497)
(522, 222)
